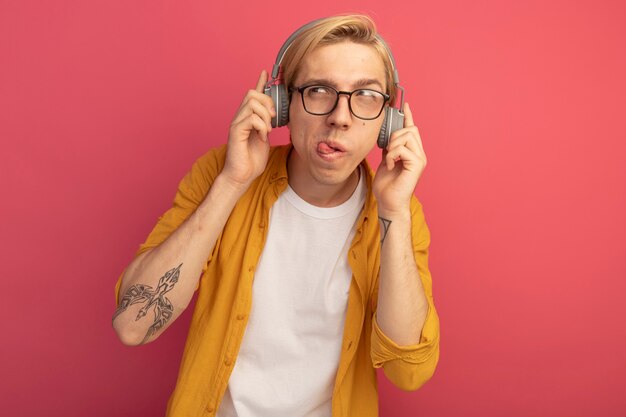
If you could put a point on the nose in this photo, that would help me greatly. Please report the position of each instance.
(341, 117)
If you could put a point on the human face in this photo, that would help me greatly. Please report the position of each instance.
(328, 149)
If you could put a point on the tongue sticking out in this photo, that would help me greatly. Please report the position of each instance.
(324, 148)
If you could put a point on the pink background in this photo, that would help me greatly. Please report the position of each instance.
(104, 105)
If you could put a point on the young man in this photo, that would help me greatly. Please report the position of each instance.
(310, 270)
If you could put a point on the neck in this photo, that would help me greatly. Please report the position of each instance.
(317, 193)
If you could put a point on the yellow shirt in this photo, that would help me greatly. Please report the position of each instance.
(225, 296)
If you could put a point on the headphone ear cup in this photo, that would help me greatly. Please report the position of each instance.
(279, 96)
(394, 120)
(383, 137)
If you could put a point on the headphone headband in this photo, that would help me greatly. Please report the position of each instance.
(287, 44)
(294, 35)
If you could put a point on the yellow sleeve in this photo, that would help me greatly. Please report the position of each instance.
(409, 367)
(191, 191)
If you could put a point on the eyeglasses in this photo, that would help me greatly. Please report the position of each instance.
(320, 100)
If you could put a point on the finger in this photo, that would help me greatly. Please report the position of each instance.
(389, 162)
(408, 137)
(408, 122)
(418, 138)
(400, 154)
(391, 159)
(260, 85)
(262, 98)
(259, 125)
(262, 111)
(408, 116)
(414, 144)
(244, 128)
(401, 143)
(254, 107)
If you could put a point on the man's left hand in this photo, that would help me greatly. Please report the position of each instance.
(402, 165)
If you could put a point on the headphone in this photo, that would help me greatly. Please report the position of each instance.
(394, 118)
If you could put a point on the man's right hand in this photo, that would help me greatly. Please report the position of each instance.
(248, 144)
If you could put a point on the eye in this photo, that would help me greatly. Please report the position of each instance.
(367, 93)
(319, 90)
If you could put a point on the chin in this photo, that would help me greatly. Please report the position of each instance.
(331, 176)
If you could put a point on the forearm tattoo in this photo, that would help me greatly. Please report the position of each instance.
(140, 293)
(385, 224)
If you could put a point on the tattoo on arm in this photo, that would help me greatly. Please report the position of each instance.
(140, 293)
(385, 223)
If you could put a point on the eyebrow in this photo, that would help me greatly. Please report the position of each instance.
(363, 82)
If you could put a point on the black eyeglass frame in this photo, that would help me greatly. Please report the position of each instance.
(339, 93)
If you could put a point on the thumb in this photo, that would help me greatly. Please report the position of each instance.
(260, 85)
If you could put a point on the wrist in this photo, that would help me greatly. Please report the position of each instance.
(223, 192)
(229, 186)
(395, 214)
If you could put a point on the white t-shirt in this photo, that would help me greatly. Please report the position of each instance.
(290, 351)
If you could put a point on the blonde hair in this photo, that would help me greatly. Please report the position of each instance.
(359, 29)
